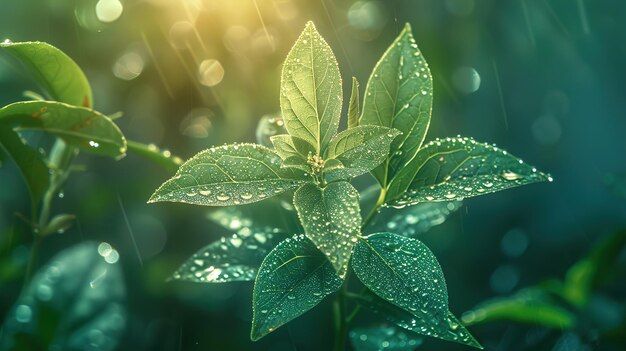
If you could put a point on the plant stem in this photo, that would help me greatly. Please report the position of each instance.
(341, 323)
(59, 162)
(374, 210)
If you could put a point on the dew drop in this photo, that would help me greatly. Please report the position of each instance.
(509, 175)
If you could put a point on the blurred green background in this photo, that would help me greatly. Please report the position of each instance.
(543, 79)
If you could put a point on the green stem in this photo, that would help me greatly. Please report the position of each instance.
(374, 210)
(341, 322)
(59, 162)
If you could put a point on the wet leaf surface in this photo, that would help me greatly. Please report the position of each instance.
(275, 214)
(358, 150)
(399, 95)
(457, 168)
(57, 73)
(233, 258)
(69, 306)
(404, 273)
(311, 93)
(228, 175)
(293, 278)
(28, 161)
(331, 219)
(353, 107)
(409, 221)
(383, 338)
(447, 328)
(79, 126)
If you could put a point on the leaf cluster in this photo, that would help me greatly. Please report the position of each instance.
(58, 308)
(297, 267)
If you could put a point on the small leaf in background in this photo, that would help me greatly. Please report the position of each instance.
(358, 150)
(457, 168)
(268, 126)
(57, 73)
(448, 328)
(532, 306)
(83, 127)
(229, 175)
(414, 220)
(399, 95)
(293, 278)
(58, 224)
(70, 306)
(151, 152)
(383, 338)
(600, 265)
(310, 92)
(331, 219)
(230, 259)
(28, 161)
(404, 272)
(289, 146)
(276, 214)
(353, 108)
(409, 221)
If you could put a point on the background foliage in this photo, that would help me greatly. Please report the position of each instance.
(542, 79)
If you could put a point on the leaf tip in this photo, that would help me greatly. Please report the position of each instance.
(154, 198)
(256, 334)
(407, 29)
(310, 25)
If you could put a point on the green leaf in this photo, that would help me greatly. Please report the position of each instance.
(353, 108)
(448, 328)
(358, 150)
(293, 278)
(399, 95)
(74, 303)
(28, 161)
(83, 127)
(414, 220)
(383, 338)
(311, 95)
(531, 306)
(409, 221)
(600, 265)
(152, 153)
(58, 224)
(331, 219)
(457, 168)
(230, 259)
(57, 73)
(276, 214)
(229, 175)
(404, 272)
(297, 162)
(289, 146)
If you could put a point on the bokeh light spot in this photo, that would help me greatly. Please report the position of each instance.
(210, 72)
(514, 243)
(129, 66)
(504, 279)
(109, 10)
(466, 80)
